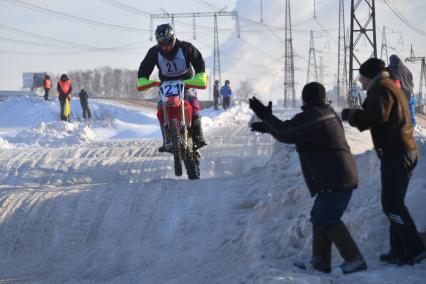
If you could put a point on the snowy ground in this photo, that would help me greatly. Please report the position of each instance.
(96, 203)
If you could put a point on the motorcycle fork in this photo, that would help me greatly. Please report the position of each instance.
(183, 123)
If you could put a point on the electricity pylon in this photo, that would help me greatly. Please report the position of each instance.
(361, 28)
(289, 90)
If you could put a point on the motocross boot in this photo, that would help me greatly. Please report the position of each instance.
(166, 139)
(197, 132)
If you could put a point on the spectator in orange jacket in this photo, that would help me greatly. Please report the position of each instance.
(64, 89)
(47, 85)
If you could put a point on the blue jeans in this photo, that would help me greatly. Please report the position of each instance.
(329, 208)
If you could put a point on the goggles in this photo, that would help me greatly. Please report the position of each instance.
(165, 40)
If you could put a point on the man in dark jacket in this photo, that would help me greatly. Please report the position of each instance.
(64, 88)
(329, 170)
(84, 102)
(398, 71)
(385, 112)
(216, 94)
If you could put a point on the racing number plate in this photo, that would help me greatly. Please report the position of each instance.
(171, 88)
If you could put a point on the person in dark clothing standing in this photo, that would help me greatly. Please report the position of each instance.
(385, 112)
(399, 72)
(84, 102)
(226, 93)
(47, 85)
(175, 60)
(329, 170)
(64, 88)
(216, 94)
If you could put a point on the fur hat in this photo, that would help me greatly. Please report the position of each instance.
(313, 94)
(372, 67)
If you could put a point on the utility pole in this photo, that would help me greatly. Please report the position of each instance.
(321, 71)
(361, 28)
(342, 71)
(384, 49)
(173, 16)
(289, 90)
(312, 62)
(414, 58)
(315, 8)
(261, 11)
(216, 54)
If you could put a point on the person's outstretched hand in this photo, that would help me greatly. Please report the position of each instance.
(260, 109)
(258, 127)
(347, 114)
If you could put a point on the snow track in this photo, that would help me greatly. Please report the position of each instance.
(113, 212)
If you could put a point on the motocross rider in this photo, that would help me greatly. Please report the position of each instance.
(173, 59)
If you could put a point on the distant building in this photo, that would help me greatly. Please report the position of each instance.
(6, 94)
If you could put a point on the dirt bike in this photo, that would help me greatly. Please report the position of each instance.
(175, 118)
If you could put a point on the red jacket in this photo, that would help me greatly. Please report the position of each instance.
(64, 89)
(47, 84)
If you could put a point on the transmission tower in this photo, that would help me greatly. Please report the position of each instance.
(216, 59)
(412, 52)
(384, 49)
(289, 90)
(342, 71)
(312, 62)
(361, 28)
(321, 71)
(173, 16)
(216, 54)
(414, 58)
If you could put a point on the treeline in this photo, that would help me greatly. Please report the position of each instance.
(106, 82)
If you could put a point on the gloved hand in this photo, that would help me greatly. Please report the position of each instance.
(347, 113)
(258, 127)
(260, 109)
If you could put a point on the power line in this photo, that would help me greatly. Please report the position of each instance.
(32, 42)
(72, 18)
(47, 38)
(126, 7)
(404, 19)
(66, 44)
(207, 5)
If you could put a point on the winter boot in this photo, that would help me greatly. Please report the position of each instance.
(321, 252)
(396, 251)
(197, 132)
(166, 139)
(348, 249)
(412, 259)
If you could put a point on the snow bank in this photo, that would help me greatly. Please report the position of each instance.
(279, 230)
(90, 209)
(31, 121)
(56, 134)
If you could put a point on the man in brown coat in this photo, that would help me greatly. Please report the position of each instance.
(385, 112)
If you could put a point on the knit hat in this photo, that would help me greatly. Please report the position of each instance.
(372, 67)
(313, 94)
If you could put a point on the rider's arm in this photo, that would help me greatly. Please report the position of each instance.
(145, 70)
(196, 59)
